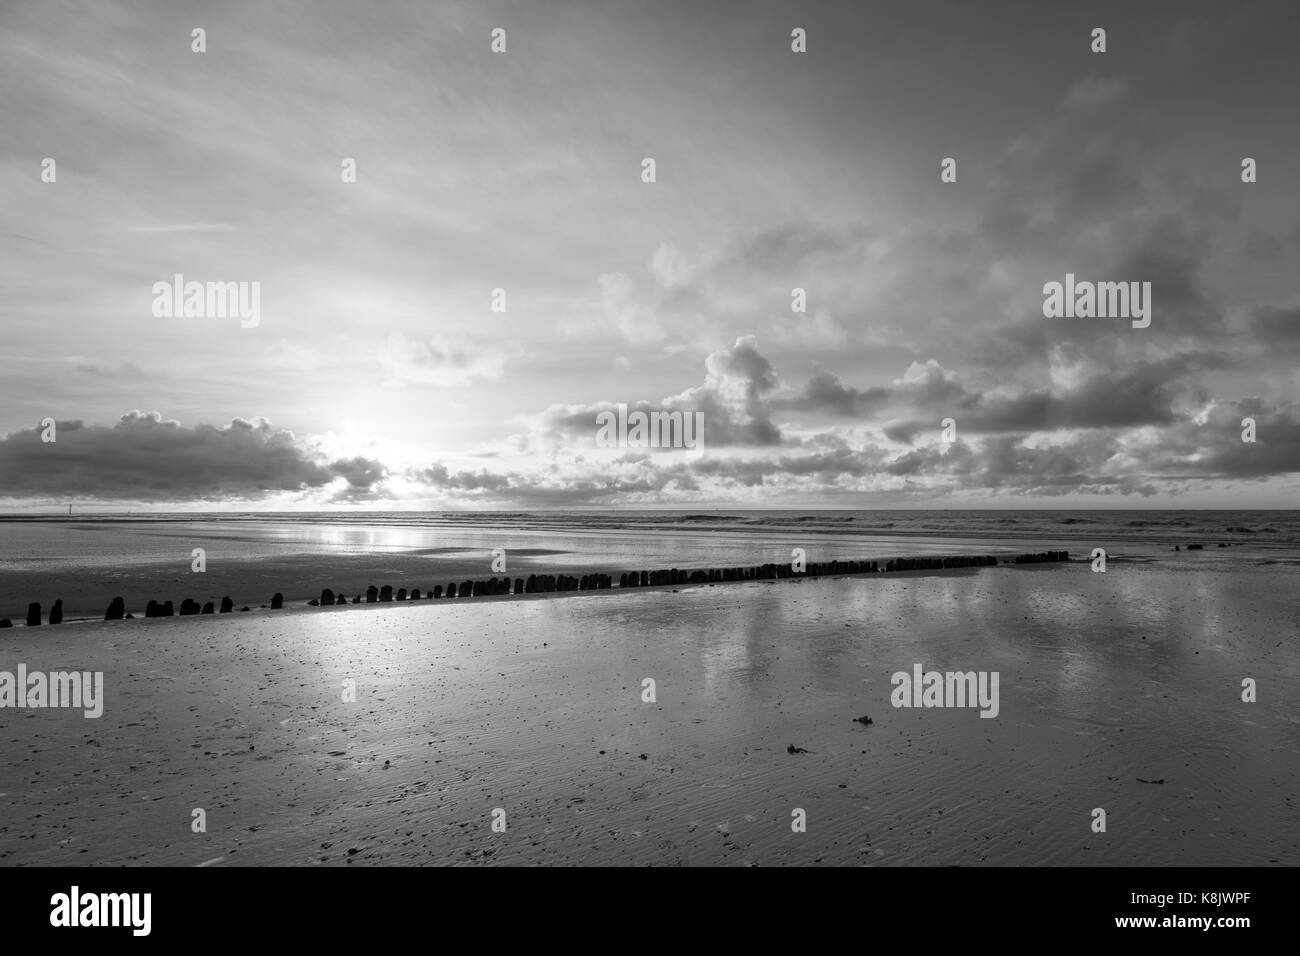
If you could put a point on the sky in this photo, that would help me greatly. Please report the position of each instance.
(379, 376)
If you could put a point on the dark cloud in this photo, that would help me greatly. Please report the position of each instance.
(149, 458)
(1211, 447)
(360, 472)
(923, 386)
(1145, 393)
(826, 393)
(439, 477)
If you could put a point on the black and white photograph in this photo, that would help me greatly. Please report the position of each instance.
(649, 433)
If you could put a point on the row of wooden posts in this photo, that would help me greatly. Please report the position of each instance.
(547, 583)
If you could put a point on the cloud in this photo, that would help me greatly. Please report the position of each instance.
(438, 476)
(359, 471)
(1272, 325)
(1082, 396)
(437, 360)
(824, 392)
(1096, 428)
(146, 457)
(1208, 445)
(624, 313)
(669, 266)
(733, 400)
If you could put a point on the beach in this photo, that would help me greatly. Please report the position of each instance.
(1119, 691)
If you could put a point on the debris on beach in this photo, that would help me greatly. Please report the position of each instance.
(792, 749)
(1140, 780)
(864, 721)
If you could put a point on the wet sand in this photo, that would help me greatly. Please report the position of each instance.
(252, 581)
(1106, 680)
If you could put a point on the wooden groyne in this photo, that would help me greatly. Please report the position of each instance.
(595, 581)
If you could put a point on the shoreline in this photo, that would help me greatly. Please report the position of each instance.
(758, 522)
(88, 563)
